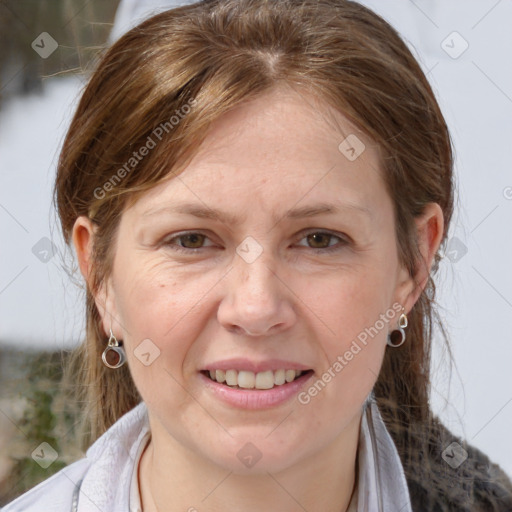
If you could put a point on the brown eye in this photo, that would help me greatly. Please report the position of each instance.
(192, 240)
(319, 240)
(322, 241)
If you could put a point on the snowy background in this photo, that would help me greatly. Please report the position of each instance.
(464, 47)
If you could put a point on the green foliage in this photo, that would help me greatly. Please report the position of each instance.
(45, 419)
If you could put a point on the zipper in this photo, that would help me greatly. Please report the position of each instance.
(74, 502)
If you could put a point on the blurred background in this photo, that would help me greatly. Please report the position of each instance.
(47, 50)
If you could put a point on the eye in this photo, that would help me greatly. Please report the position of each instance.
(188, 242)
(192, 241)
(321, 240)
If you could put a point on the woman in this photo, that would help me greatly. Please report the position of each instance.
(257, 193)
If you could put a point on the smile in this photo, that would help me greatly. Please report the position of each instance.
(245, 379)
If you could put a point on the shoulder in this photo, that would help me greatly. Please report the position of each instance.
(103, 475)
(55, 493)
(476, 485)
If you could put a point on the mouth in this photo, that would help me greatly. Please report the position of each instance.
(248, 380)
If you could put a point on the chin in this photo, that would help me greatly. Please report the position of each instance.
(253, 455)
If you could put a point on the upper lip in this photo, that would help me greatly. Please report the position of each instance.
(240, 364)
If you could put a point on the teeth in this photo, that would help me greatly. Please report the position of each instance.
(246, 380)
(264, 380)
(250, 380)
(279, 377)
(289, 375)
(232, 378)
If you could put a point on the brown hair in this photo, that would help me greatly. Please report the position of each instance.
(215, 55)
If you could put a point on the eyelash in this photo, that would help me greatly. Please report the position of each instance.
(344, 242)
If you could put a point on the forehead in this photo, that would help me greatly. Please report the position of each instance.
(277, 150)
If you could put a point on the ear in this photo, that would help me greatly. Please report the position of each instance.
(82, 236)
(429, 232)
(83, 240)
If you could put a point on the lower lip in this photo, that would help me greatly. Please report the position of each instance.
(256, 398)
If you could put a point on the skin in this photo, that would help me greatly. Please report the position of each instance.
(295, 302)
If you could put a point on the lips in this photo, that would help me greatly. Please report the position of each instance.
(253, 398)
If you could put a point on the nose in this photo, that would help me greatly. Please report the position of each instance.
(258, 301)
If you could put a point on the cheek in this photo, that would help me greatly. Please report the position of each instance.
(154, 299)
(350, 303)
(353, 349)
(355, 309)
(161, 312)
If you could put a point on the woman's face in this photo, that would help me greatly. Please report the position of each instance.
(274, 250)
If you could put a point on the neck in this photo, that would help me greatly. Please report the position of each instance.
(173, 478)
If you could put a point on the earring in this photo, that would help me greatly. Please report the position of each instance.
(397, 337)
(113, 356)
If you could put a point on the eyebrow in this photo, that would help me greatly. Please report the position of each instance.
(294, 213)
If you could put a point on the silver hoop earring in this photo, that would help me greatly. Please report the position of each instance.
(113, 356)
(397, 337)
